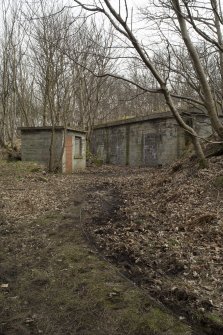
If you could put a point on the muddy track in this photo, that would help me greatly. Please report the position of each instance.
(109, 201)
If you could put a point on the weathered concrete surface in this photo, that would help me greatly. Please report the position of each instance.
(154, 140)
(36, 146)
(69, 156)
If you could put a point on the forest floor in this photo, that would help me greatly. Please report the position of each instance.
(104, 250)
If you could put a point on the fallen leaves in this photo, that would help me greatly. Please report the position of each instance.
(169, 228)
(165, 228)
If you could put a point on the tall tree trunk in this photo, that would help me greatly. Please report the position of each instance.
(207, 93)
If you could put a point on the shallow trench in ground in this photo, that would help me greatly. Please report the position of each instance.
(110, 201)
(48, 262)
(59, 284)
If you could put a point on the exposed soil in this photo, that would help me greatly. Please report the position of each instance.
(165, 230)
(162, 229)
(51, 280)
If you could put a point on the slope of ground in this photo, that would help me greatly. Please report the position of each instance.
(51, 282)
(166, 233)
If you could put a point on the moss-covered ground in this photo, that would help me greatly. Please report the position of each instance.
(58, 285)
(53, 282)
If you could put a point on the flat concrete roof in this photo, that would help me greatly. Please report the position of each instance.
(49, 128)
(157, 116)
(151, 117)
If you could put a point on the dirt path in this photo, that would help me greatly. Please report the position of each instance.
(53, 280)
(53, 283)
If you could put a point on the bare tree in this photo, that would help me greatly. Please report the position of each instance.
(60, 51)
(52, 76)
(89, 49)
(179, 15)
(10, 61)
(64, 69)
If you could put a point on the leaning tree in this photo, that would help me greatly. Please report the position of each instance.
(177, 25)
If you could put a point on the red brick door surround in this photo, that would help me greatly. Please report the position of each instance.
(69, 153)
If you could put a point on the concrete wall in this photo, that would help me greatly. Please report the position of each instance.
(149, 141)
(202, 125)
(153, 143)
(79, 161)
(36, 146)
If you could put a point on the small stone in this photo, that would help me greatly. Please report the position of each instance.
(181, 318)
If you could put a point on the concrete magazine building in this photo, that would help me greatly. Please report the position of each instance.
(153, 140)
(69, 149)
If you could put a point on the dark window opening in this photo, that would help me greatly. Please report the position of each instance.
(78, 147)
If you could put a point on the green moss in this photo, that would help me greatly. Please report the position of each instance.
(68, 286)
(162, 322)
(18, 167)
(218, 181)
(93, 159)
(2, 298)
(203, 163)
(173, 242)
(154, 322)
(36, 169)
(216, 318)
(40, 277)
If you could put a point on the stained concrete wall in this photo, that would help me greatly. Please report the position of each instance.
(146, 141)
(202, 125)
(36, 146)
(79, 161)
(153, 143)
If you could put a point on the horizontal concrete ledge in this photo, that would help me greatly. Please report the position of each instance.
(152, 117)
(164, 115)
(47, 128)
